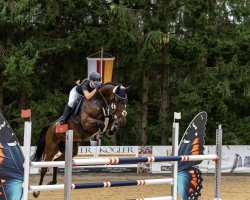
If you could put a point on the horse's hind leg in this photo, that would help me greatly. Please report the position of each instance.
(62, 158)
(50, 152)
(54, 178)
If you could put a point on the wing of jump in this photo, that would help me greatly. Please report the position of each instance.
(190, 183)
(11, 163)
(192, 143)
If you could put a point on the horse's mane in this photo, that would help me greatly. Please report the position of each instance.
(112, 83)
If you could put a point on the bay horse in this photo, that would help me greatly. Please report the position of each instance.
(109, 102)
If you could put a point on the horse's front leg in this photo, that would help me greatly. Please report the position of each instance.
(95, 126)
(113, 128)
(92, 123)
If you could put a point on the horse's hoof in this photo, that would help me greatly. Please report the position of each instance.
(114, 129)
(52, 183)
(36, 194)
(109, 134)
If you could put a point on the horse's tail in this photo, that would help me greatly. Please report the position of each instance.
(40, 146)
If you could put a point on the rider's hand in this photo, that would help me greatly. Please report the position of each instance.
(98, 87)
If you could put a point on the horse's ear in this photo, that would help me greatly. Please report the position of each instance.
(127, 89)
(116, 89)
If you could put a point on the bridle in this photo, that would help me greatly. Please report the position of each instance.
(114, 108)
(111, 109)
(110, 105)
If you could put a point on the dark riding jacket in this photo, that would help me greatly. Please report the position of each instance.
(84, 86)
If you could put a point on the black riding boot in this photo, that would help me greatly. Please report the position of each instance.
(66, 112)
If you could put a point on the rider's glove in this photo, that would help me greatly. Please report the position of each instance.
(98, 87)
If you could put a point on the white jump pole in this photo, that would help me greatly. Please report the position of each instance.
(34, 188)
(217, 193)
(175, 141)
(68, 164)
(26, 165)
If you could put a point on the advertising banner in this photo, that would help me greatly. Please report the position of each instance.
(145, 151)
(235, 159)
(106, 151)
(162, 167)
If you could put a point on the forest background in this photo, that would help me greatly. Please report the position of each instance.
(178, 55)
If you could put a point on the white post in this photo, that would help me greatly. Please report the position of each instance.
(26, 165)
(217, 193)
(68, 164)
(94, 143)
(101, 60)
(175, 141)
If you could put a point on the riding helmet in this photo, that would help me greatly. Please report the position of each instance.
(96, 77)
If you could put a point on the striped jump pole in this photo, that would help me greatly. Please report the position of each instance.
(126, 160)
(103, 184)
(122, 183)
(135, 160)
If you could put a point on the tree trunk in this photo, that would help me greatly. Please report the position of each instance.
(1, 94)
(22, 101)
(144, 137)
(165, 96)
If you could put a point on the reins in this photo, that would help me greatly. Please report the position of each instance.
(103, 98)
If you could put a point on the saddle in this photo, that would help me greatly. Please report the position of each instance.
(76, 108)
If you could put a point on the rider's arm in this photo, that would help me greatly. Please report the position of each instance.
(88, 95)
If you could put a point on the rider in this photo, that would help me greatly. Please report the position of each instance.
(87, 88)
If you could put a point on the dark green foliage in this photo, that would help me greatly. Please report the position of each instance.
(44, 45)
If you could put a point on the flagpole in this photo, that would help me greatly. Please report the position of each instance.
(101, 60)
(102, 74)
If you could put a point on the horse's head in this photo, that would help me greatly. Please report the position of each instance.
(116, 99)
(118, 104)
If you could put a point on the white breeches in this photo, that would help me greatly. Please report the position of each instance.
(73, 95)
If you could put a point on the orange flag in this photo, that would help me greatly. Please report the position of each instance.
(26, 113)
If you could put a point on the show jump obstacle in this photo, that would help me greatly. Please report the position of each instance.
(69, 162)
